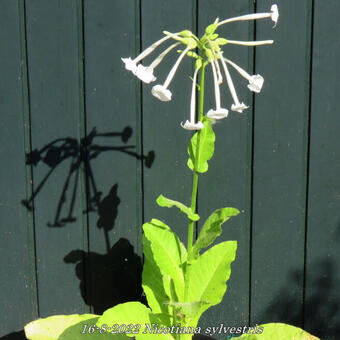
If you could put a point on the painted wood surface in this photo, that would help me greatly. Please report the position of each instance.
(86, 150)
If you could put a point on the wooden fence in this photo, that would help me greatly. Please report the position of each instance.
(85, 151)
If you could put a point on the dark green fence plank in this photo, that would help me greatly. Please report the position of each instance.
(228, 180)
(18, 288)
(162, 132)
(53, 56)
(280, 149)
(114, 177)
(322, 313)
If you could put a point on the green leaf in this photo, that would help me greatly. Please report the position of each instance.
(186, 33)
(166, 202)
(198, 64)
(66, 327)
(280, 331)
(192, 54)
(211, 29)
(208, 274)
(155, 284)
(168, 254)
(189, 309)
(190, 42)
(134, 313)
(213, 36)
(211, 229)
(209, 54)
(206, 149)
(221, 41)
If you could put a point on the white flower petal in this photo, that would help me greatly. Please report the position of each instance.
(255, 83)
(218, 114)
(239, 107)
(145, 74)
(275, 14)
(130, 65)
(161, 93)
(192, 126)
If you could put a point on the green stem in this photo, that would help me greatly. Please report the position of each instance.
(195, 182)
(195, 178)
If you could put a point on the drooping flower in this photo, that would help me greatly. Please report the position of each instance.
(131, 65)
(145, 73)
(273, 14)
(255, 81)
(161, 92)
(237, 106)
(191, 125)
(219, 113)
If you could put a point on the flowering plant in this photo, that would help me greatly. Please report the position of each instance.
(179, 282)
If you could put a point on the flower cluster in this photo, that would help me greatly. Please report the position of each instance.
(210, 47)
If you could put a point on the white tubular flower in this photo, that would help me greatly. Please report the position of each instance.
(255, 81)
(219, 113)
(237, 106)
(159, 59)
(145, 74)
(274, 15)
(161, 92)
(131, 65)
(251, 43)
(191, 125)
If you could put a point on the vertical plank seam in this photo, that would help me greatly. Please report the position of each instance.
(83, 150)
(139, 132)
(307, 138)
(26, 104)
(251, 131)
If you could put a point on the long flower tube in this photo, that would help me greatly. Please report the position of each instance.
(219, 113)
(237, 106)
(161, 92)
(255, 81)
(131, 64)
(191, 125)
(251, 43)
(274, 15)
(145, 73)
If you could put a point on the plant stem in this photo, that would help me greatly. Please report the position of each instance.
(195, 177)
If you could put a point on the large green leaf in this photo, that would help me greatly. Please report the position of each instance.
(206, 148)
(138, 315)
(67, 327)
(166, 202)
(211, 229)
(208, 274)
(168, 253)
(280, 331)
(155, 284)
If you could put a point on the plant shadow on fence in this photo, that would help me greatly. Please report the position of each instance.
(105, 279)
